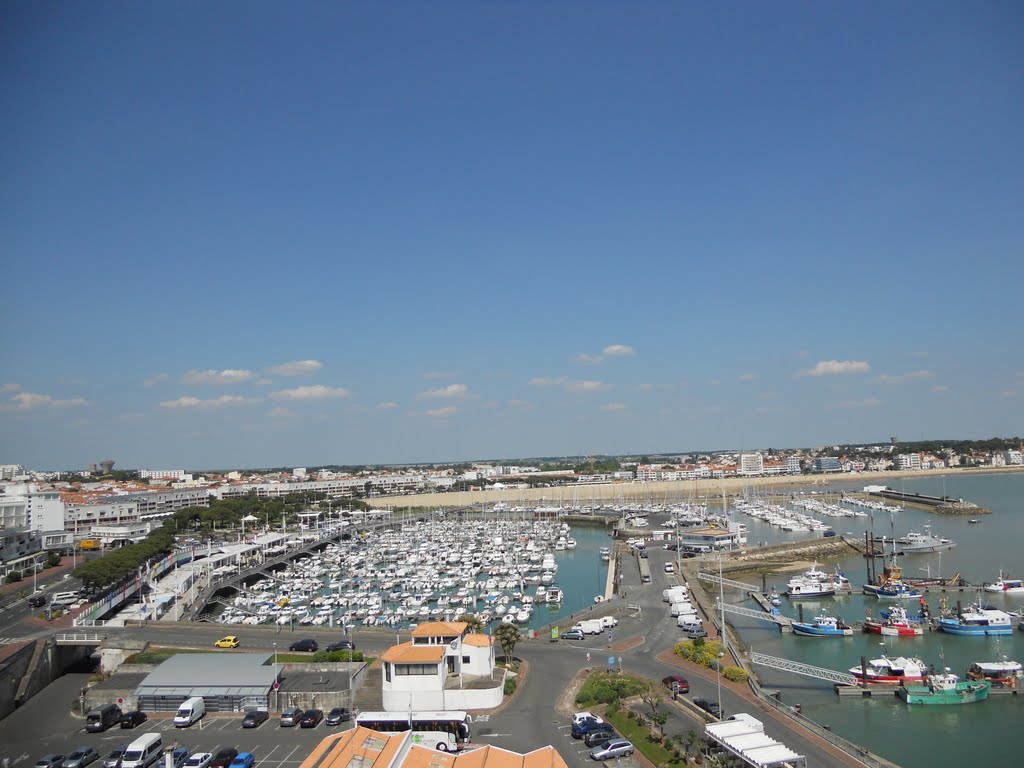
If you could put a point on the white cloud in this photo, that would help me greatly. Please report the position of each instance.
(613, 407)
(281, 413)
(440, 413)
(586, 385)
(902, 378)
(296, 368)
(445, 393)
(9, 387)
(588, 359)
(227, 376)
(547, 381)
(263, 382)
(389, 406)
(519, 404)
(618, 350)
(31, 401)
(156, 378)
(835, 367)
(940, 388)
(216, 402)
(715, 382)
(312, 392)
(748, 377)
(440, 375)
(867, 402)
(645, 387)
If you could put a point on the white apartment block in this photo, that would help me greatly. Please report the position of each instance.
(793, 465)
(1013, 458)
(380, 484)
(751, 464)
(80, 519)
(164, 474)
(905, 461)
(11, 471)
(29, 507)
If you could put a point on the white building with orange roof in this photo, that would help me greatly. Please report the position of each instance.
(444, 666)
(365, 748)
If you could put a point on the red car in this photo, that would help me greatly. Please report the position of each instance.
(682, 683)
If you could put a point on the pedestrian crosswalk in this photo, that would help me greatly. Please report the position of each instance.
(11, 640)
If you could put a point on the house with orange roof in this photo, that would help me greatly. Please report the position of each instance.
(366, 748)
(443, 666)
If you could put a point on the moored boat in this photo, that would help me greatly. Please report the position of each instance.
(945, 689)
(896, 623)
(1005, 585)
(1002, 674)
(886, 670)
(978, 621)
(823, 626)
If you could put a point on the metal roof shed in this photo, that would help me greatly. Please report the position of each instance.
(227, 682)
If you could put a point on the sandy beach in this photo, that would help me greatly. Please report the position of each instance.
(665, 492)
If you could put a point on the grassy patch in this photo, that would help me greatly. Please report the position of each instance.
(604, 688)
(640, 736)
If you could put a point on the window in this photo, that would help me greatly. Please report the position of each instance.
(465, 659)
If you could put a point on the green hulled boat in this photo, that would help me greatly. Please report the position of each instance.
(945, 689)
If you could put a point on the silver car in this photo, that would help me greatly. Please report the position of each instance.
(81, 757)
(613, 748)
(113, 760)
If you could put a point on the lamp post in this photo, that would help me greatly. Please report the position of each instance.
(277, 684)
(718, 675)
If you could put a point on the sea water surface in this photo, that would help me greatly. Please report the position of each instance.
(926, 736)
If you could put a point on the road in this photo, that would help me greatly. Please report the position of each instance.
(530, 719)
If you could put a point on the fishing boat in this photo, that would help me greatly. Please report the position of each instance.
(806, 586)
(915, 543)
(823, 626)
(606, 553)
(1005, 585)
(945, 689)
(1002, 674)
(895, 623)
(890, 585)
(886, 670)
(977, 620)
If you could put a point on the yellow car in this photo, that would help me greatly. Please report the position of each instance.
(227, 642)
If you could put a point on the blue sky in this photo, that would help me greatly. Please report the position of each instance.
(244, 234)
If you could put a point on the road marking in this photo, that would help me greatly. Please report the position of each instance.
(491, 735)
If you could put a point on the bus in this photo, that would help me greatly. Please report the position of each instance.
(443, 731)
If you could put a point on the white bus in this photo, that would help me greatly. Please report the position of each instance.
(443, 731)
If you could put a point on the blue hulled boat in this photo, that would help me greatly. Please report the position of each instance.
(823, 626)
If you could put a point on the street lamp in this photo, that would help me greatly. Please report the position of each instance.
(718, 675)
(277, 684)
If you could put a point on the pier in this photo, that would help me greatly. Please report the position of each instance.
(943, 504)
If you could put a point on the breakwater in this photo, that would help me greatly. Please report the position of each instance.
(944, 505)
(789, 554)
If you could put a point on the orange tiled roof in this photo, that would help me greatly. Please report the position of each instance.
(360, 746)
(407, 653)
(440, 628)
(488, 756)
(480, 641)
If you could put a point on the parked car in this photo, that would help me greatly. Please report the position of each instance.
(711, 707)
(613, 748)
(37, 601)
(291, 716)
(199, 760)
(230, 641)
(308, 645)
(580, 717)
(81, 757)
(338, 715)
(50, 761)
(597, 738)
(670, 568)
(571, 634)
(645, 579)
(181, 755)
(223, 757)
(113, 760)
(643, 553)
(342, 645)
(254, 718)
(579, 730)
(682, 683)
(696, 632)
(243, 760)
(312, 718)
(132, 719)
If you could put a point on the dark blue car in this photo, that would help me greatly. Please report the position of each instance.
(581, 729)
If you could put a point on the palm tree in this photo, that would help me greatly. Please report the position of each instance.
(475, 625)
(508, 635)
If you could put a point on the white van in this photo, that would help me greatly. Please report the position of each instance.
(682, 609)
(65, 598)
(190, 711)
(689, 623)
(143, 752)
(674, 594)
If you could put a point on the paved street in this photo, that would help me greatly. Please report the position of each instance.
(529, 720)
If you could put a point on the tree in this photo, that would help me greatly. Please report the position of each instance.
(508, 635)
(475, 625)
(651, 696)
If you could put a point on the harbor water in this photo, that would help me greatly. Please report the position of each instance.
(914, 737)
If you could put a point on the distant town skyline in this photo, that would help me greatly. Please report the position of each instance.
(362, 236)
